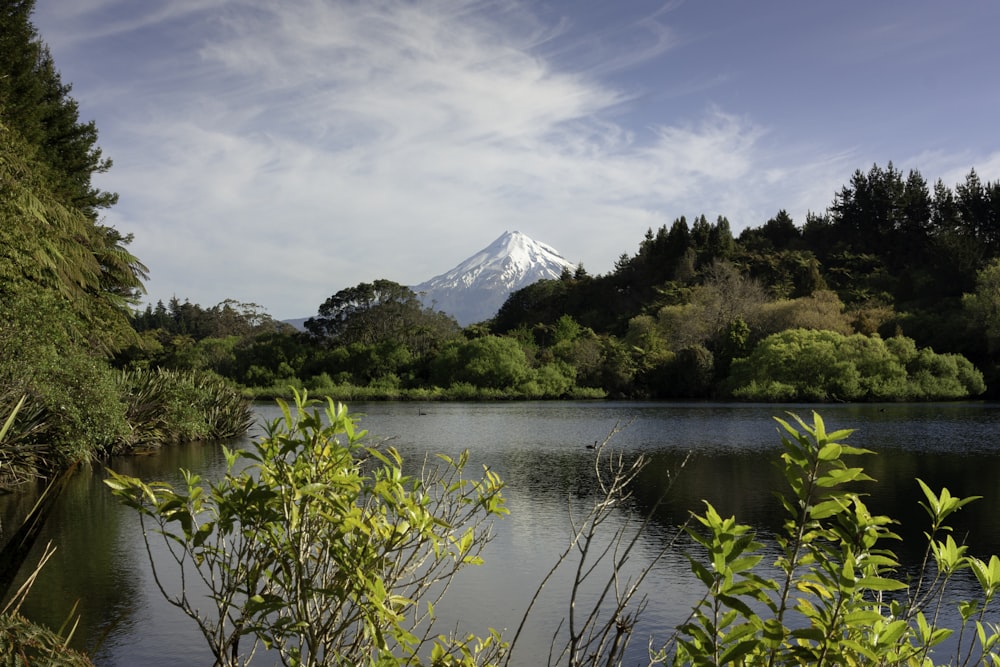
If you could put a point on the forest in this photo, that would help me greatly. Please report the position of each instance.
(891, 294)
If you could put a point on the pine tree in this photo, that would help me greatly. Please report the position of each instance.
(37, 105)
(48, 206)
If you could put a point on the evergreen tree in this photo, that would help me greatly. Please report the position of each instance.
(48, 205)
(49, 246)
(37, 105)
(978, 207)
(700, 233)
(867, 212)
(721, 244)
(821, 236)
(678, 240)
(957, 255)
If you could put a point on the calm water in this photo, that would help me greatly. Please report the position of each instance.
(540, 451)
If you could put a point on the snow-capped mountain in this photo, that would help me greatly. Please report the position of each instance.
(474, 290)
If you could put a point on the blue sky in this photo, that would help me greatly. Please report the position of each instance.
(277, 152)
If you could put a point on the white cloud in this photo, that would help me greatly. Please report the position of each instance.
(279, 152)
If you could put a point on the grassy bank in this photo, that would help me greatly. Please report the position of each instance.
(461, 391)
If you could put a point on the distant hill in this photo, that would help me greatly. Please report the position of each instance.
(299, 323)
(474, 290)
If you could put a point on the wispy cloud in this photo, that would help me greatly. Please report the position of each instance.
(280, 152)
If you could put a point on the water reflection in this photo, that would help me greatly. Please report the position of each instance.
(100, 566)
(728, 451)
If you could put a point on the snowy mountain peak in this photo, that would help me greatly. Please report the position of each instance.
(475, 289)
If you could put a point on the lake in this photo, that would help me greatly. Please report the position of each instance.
(540, 450)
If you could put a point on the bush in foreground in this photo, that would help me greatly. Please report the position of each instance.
(319, 547)
(840, 597)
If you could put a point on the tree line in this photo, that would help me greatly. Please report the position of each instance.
(900, 278)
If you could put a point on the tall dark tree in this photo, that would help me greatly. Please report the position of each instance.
(50, 207)
(944, 211)
(371, 313)
(721, 243)
(879, 238)
(36, 103)
(979, 211)
(868, 210)
(661, 256)
(821, 236)
(957, 253)
(916, 205)
(781, 230)
(47, 245)
(678, 240)
(20, 87)
(701, 230)
(778, 233)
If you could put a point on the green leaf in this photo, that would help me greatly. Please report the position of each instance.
(735, 653)
(893, 632)
(736, 604)
(876, 583)
(826, 509)
(702, 572)
(829, 452)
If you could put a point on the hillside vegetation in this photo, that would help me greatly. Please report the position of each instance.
(893, 291)
(68, 284)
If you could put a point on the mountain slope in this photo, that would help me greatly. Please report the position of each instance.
(474, 290)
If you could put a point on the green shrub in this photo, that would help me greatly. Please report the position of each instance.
(768, 391)
(825, 365)
(489, 362)
(73, 409)
(553, 380)
(587, 393)
(839, 597)
(318, 546)
(321, 382)
(463, 391)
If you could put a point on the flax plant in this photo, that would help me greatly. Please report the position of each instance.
(166, 406)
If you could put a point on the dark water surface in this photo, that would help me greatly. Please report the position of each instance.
(539, 448)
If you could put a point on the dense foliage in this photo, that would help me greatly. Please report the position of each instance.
(682, 318)
(811, 365)
(68, 285)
